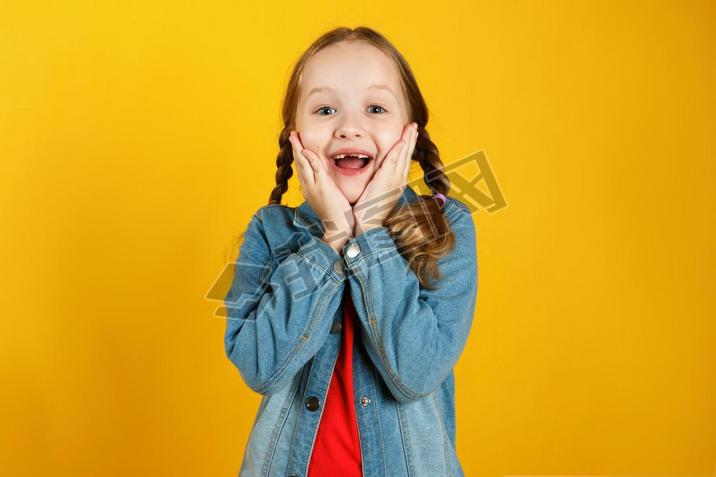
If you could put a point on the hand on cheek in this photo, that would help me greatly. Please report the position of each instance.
(385, 188)
(322, 194)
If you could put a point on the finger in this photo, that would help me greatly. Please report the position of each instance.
(385, 156)
(400, 153)
(302, 167)
(305, 172)
(394, 151)
(319, 168)
(407, 137)
(411, 149)
(314, 161)
(412, 136)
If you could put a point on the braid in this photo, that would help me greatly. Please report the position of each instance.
(284, 159)
(428, 156)
(420, 229)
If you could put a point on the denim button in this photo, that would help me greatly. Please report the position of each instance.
(338, 266)
(312, 403)
(353, 250)
(364, 401)
(336, 327)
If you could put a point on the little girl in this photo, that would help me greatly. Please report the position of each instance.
(349, 312)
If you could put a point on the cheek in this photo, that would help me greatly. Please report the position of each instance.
(313, 139)
(388, 137)
(313, 133)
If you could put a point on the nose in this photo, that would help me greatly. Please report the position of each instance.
(348, 132)
(349, 128)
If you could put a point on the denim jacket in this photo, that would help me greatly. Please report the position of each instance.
(284, 310)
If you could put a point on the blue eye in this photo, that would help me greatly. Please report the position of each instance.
(321, 109)
(375, 105)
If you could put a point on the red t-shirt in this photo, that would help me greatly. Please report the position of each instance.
(336, 450)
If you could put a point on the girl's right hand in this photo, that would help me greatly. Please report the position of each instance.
(322, 194)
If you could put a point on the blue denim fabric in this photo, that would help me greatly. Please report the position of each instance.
(287, 292)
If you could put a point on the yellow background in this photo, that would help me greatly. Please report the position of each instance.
(137, 138)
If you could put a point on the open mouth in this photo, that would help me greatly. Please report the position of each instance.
(351, 163)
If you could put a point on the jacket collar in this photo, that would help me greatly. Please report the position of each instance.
(305, 216)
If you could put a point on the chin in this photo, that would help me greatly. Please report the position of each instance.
(352, 194)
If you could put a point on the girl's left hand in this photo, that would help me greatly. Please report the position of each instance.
(387, 185)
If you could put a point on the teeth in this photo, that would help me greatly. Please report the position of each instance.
(341, 156)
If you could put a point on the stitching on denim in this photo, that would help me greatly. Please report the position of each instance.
(307, 259)
(302, 340)
(378, 342)
(372, 254)
(443, 434)
(303, 399)
(280, 422)
(323, 270)
(323, 408)
(361, 445)
(459, 207)
(367, 298)
(264, 399)
(407, 448)
(377, 416)
(314, 264)
(458, 203)
(363, 257)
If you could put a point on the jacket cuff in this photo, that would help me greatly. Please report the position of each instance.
(322, 256)
(366, 245)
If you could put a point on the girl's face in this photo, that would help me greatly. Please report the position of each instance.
(351, 97)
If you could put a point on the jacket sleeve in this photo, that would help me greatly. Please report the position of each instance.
(279, 310)
(413, 335)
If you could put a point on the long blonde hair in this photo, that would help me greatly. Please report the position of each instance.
(419, 229)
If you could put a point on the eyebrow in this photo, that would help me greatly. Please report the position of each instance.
(318, 89)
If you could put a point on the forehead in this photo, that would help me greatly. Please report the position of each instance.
(350, 66)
